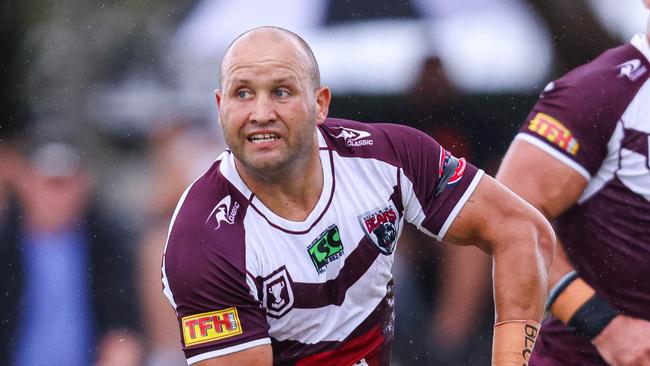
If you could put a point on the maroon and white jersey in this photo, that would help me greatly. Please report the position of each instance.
(596, 119)
(320, 291)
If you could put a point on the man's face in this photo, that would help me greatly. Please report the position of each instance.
(269, 107)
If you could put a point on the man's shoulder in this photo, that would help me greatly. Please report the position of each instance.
(612, 72)
(388, 142)
(210, 208)
(579, 111)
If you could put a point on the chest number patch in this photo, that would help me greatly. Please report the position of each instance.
(326, 248)
(212, 326)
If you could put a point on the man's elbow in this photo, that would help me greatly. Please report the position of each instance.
(545, 240)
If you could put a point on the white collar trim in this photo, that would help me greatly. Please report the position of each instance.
(640, 41)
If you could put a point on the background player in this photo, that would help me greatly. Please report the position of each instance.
(583, 159)
(281, 252)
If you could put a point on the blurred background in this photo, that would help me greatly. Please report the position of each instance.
(108, 113)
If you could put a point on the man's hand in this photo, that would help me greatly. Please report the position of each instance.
(625, 341)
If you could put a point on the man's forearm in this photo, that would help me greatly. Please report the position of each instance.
(520, 287)
(520, 281)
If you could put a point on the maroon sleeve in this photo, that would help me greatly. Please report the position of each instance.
(576, 115)
(436, 183)
(204, 274)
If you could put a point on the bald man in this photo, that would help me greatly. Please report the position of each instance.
(281, 252)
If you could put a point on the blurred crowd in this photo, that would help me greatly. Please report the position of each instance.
(108, 114)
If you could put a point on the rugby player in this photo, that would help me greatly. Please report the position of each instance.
(582, 158)
(281, 252)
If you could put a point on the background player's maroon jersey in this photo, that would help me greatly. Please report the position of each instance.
(596, 119)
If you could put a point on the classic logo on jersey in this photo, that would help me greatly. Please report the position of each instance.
(277, 294)
(450, 170)
(326, 248)
(354, 137)
(555, 132)
(222, 212)
(632, 69)
(381, 226)
(212, 326)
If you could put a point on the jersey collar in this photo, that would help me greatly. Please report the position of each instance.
(640, 41)
(229, 171)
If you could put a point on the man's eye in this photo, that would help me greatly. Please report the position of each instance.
(281, 93)
(243, 94)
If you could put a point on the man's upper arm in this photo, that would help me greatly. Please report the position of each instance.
(491, 215)
(539, 178)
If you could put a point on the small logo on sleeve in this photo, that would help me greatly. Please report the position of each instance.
(212, 326)
(326, 248)
(555, 132)
(450, 168)
(632, 69)
(223, 212)
(381, 226)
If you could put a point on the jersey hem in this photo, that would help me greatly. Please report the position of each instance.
(556, 154)
(461, 202)
(225, 351)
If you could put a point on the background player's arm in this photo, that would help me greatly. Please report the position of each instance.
(255, 356)
(553, 189)
(521, 243)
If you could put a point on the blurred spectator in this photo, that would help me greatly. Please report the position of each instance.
(177, 156)
(68, 298)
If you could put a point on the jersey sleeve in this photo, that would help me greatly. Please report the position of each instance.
(205, 279)
(434, 184)
(576, 115)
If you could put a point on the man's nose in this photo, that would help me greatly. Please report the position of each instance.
(263, 110)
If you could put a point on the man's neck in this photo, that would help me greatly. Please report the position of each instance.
(293, 193)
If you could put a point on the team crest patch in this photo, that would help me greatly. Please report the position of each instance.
(277, 294)
(555, 132)
(326, 248)
(381, 226)
(211, 326)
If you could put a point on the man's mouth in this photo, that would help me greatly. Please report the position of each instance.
(262, 137)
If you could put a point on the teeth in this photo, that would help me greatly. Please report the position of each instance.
(263, 137)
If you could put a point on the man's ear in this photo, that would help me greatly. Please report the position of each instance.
(217, 94)
(217, 97)
(323, 98)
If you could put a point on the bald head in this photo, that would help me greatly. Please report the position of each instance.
(267, 35)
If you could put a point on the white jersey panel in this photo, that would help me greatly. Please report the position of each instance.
(270, 248)
(632, 168)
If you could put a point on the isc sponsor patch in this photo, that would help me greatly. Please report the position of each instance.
(212, 326)
(555, 132)
(326, 248)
